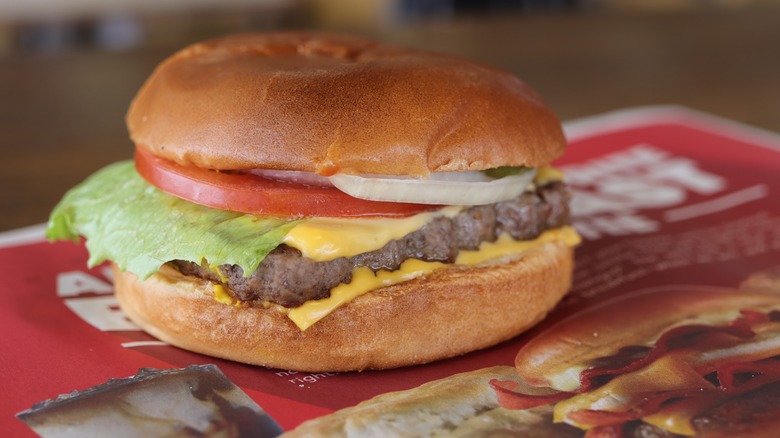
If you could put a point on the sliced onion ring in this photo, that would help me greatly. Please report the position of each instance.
(445, 188)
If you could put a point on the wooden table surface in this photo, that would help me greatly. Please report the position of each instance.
(62, 115)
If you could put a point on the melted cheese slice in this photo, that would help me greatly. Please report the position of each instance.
(676, 418)
(621, 394)
(324, 239)
(546, 175)
(364, 280)
(505, 246)
(221, 294)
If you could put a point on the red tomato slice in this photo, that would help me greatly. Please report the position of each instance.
(254, 194)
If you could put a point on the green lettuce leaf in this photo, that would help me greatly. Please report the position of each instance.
(128, 221)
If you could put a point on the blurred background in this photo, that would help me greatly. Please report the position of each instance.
(68, 68)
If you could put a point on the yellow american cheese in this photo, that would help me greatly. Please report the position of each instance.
(546, 175)
(505, 246)
(221, 294)
(324, 239)
(364, 280)
(675, 422)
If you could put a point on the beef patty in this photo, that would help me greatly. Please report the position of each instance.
(287, 278)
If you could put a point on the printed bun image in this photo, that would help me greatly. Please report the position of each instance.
(322, 202)
(669, 361)
(461, 405)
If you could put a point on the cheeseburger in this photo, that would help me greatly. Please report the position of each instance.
(326, 203)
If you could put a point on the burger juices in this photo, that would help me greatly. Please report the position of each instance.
(326, 203)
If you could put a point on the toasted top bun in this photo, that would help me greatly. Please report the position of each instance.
(329, 103)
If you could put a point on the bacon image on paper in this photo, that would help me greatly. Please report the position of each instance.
(668, 361)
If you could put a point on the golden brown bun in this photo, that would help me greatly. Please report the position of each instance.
(462, 405)
(598, 332)
(451, 312)
(767, 280)
(329, 103)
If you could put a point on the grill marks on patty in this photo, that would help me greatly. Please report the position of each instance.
(287, 278)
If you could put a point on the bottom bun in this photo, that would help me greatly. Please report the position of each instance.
(449, 312)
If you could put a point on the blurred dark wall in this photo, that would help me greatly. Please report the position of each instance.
(132, 27)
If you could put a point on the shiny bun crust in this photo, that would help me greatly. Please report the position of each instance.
(453, 311)
(332, 103)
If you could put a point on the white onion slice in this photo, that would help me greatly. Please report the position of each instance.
(443, 188)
